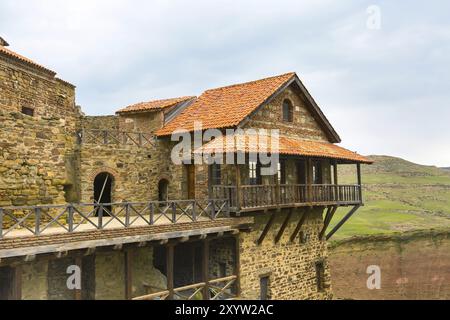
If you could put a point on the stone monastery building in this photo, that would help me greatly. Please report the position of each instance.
(101, 199)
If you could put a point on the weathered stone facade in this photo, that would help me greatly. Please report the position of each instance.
(290, 266)
(45, 159)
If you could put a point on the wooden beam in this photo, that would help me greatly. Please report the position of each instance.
(170, 250)
(17, 283)
(309, 178)
(358, 172)
(128, 274)
(340, 223)
(238, 186)
(266, 229)
(237, 265)
(284, 225)
(77, 292)
(30, 257)
(300, 224)
(205, 268)
(329, 216)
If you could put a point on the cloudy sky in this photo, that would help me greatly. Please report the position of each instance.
(383, 83)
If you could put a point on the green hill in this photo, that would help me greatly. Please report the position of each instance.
(399, 196)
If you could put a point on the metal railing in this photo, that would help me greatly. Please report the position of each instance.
(69, 218)
(261, 196)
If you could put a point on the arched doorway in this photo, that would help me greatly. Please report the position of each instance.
(163, 190)
(103, 183)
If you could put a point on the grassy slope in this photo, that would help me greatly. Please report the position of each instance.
(399, 196)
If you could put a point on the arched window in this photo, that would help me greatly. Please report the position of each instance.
(288, 111)
(163, 190)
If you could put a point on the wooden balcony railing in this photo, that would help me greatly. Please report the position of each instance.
(267, 196)
(218, 289)
(69, 218)
(115, 137)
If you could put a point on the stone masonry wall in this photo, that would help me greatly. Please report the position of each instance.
(304, 125)
(33, 159)
(290, 266)
(22, 86)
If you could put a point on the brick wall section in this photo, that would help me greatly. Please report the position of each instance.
(290, 266)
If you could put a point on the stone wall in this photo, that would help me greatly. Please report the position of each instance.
(304, 125)
(34, 156)
(413, 265)
(34, 280)
(291, 267)
(136, 171)
(22, 86)
(141, 122)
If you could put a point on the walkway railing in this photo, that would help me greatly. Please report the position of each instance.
(114, 137)
(69, 218)
(266, 196)
(218, 289)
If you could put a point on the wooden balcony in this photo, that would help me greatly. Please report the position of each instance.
(257, 197)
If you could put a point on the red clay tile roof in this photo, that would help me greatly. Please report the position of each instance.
(154, 105)
(11, 54)
(226, 106)
(252, 143)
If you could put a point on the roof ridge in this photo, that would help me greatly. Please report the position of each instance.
(253, 81)
(18, 56)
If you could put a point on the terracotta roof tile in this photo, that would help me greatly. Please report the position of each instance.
(226, 106)
(251, 143)
(14, 55)
(154, 105)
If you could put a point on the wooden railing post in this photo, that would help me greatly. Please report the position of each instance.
(194, 210)
(37, 227)
(174, 212)
(1, 223)
(170, 249)
(205, 269)
(100, 217)
(70, 212)
(127, 215)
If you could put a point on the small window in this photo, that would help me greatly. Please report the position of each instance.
(216, 175)
(253, 172)
(320, 276)
(288, 111)
(28, 111)
(264, 288)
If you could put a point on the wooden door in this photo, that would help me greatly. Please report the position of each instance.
(191, 181)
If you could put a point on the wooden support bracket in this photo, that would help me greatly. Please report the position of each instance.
(266, 229)
(341, 223)
(329, 216)
(283, 226)
(302, 220)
